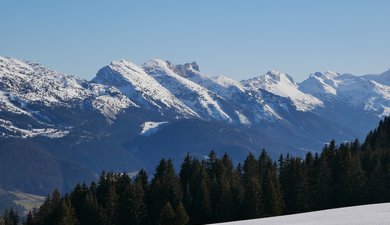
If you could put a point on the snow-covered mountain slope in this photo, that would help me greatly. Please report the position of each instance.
(357, 92)
(8, 129)
(383, 78)
(34, 99)
(25, 82)
(33, 92)
(141, 88)
(34, 83)
(375, 214)
(198, 98)
(283, 85)
(320, 84)
(223, 86)
(242, 106)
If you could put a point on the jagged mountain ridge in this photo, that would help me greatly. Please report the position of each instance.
(362, 93)
(88, 126)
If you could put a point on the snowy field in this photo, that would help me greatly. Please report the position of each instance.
(377, 214)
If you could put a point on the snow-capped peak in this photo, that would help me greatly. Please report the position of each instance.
(276, 76)
(283, 85)
(186, 68)
(132, 81)
(320, 83)
(366, 92)
(197, 97)
(327, 74)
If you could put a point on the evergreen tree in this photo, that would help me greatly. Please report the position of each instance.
(142, 179)
(292, 183)
(125, 207)
(66, 214)
(165, 187)
(111, 203)
(10, 217)
(200, 212)
(181, 216)
(167, 215)
(272, 195)
(29, 220)
(310, 176)
(324, 190)
(77, 197)
(139, 206)
(91, 213)
(224, 206)
(187, 179)
(238, 193)
(252, 203)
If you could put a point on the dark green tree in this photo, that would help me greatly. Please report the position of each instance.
(67, 215)
(181, 216)
(253, 197)
(10, 217)
(167, 215)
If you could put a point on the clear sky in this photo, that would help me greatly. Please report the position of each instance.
(239, 39)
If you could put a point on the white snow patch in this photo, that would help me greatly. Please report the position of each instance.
(386, 111)
(376, 214)
(149, 128)
(24, 133)
(243, 119)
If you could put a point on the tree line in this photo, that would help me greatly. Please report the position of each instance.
(213, 189)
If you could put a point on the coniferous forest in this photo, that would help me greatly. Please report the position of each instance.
(215, 190)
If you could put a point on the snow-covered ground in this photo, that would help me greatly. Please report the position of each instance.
(149, 128)
(376, 214)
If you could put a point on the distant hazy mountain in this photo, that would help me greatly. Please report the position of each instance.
(58, 129)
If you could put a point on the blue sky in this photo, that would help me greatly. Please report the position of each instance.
(239, 39)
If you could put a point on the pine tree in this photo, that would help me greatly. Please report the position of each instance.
(238, 193)
(139, 206)
(167, 215)
(111, 203)
(200, 212)
(292, 183)
(272, 196)
(142, 179)
(66, 214)
(186, 179)
(10, 217)
(252, 203)
(350, 178)
(91, 213)
(310, 176)
(125, 207)
(226, 205)
(324, 184)
(77, 197)
(29, 220)
(181, 216)
(165, 187)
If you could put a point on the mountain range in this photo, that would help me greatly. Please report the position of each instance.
(57, 129)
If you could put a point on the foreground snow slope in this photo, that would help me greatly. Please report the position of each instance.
(377, 214)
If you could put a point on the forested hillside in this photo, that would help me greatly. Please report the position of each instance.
(212, 189)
